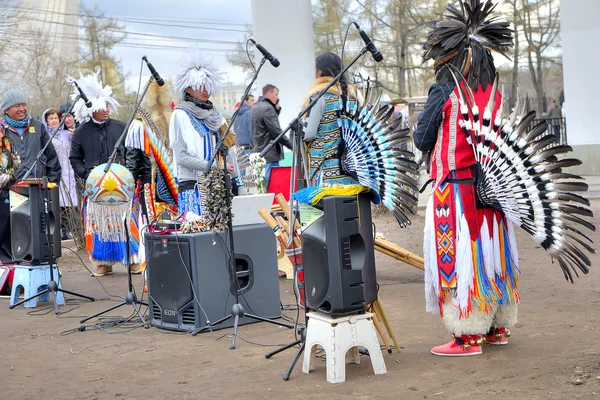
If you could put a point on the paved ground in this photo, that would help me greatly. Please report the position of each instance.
(554, 352)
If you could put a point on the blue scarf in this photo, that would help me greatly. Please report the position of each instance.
(17, 124)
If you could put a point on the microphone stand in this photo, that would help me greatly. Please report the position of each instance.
(52, 288)
(296, 126)
(237, 310)
(131, 297)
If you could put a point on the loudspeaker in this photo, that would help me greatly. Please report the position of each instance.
(339, 257)
(178, 265)
(28, 223)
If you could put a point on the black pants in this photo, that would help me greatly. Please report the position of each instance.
(5, 249)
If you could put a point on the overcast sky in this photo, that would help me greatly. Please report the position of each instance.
(216, 14)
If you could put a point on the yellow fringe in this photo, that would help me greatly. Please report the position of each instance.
(347, 190)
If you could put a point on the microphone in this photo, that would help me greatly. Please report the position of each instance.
(85, 99)
(377, 56)
(274, 62)
(154, 73)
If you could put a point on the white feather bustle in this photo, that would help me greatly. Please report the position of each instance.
(197, 72)
(98, 95)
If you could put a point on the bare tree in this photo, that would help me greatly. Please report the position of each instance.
(9, 36)
(101, 34)
(240, 56)
(540, 22)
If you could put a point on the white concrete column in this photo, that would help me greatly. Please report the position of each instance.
(580, 32)
(285, 28)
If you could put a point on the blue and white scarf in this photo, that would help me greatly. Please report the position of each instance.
(17, 124)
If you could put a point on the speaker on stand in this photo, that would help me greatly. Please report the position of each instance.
(180, 264)
(28, 223)
(339, 257)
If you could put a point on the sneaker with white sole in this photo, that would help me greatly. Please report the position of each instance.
(497, 337)
(466, 345)
(102, 270)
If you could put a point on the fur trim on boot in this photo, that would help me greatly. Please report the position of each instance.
(477, 323)
(506, 316)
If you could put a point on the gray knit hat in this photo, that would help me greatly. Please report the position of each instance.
(11, 98)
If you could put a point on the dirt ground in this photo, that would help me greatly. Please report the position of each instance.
(554, 352)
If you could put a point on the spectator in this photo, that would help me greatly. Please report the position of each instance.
(265, 127)
(243, 125)
(555, 115)
(24, 136)
(62, 144)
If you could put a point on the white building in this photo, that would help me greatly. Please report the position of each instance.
(580, 31)
(55, 20)
(285, 28)
(226, 99)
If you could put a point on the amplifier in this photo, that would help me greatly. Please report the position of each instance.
(179, 264)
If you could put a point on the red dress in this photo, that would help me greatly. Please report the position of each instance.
(470, 253)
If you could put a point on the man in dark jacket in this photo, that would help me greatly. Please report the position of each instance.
(93, 142)
(243, 125)
(28, 136)
(265, 127)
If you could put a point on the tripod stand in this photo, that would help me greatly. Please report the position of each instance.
(296, 126)
(52, 287)
(237, 310)
(131, 298)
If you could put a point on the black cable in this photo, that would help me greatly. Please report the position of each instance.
(99, 281)
(345, 38)
(137, 93)
(228, 252)
(250, 58)
(196, 298)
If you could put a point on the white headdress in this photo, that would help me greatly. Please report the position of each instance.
(198, 72)
(98, 95)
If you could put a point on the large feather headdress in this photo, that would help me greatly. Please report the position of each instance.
(98, 95)
(198, 72)
(466, 38)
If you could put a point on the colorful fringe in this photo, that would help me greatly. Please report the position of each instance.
(110, 249)
(312, 195)
(470, 254)
(140, 137)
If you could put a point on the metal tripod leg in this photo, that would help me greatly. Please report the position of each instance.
(284, 348)
(287, 374)
(264, 319)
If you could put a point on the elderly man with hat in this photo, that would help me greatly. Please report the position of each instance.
(22, 137)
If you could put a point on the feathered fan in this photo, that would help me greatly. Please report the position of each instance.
(519, 172)
(372, 153)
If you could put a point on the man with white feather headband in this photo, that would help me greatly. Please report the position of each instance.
(91, 146)
(196, 126)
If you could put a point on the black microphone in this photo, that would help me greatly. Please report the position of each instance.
(274, 62)
(85, 99)
(154, 73)
(377, 56)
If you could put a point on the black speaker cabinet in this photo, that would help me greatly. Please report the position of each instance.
(339, 257)
(28, 224)
(180, 264)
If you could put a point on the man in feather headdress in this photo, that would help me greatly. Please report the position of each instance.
(470, 252)
(91, 146)
(148, 134)
(196, 127)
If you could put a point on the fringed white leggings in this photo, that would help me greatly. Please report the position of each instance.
(479, 322)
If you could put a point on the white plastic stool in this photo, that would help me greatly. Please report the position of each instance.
(338, 335)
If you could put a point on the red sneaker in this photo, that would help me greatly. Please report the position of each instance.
(498, 337)
(466, 345)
